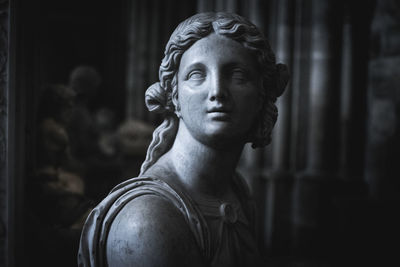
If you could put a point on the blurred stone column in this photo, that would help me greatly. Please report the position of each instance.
(382, 146)
(4, 119)
(217, 5)
(300, 84)
(353, 93)
(346, 95)
(256, 11)
(138, 29)
(382, 168)
(278, 177)
(18, 51)
(312, 185)
(205, 5)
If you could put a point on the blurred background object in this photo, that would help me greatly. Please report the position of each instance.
(73, 123)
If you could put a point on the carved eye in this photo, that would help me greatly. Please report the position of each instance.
(238, 74)
(196, 75)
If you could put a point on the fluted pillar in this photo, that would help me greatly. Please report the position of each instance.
(136, 64)
(217, 5)
(4, 119)
(382, 146)
(324, 89)
(321, 155)
(256, 11)
(18, 74)
(353, 100)
(278, 177)
(346, 96)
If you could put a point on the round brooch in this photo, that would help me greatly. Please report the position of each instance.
(228, 212)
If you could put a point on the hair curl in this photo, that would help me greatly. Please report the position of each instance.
(160, 96)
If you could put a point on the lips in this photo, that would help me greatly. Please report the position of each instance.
(219, 109)
(219, 113)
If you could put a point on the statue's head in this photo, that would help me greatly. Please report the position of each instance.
(163, 96)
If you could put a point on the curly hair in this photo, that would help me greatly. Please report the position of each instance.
(160, 97)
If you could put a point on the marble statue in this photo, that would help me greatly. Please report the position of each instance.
(188, 207)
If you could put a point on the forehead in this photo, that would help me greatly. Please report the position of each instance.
(217, 49)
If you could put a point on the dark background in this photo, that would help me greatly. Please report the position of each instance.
(327, 188)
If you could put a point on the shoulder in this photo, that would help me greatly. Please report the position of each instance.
(150, 231)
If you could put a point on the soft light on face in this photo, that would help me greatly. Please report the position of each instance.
(219, 90)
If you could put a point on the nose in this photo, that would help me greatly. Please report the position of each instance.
(218, 88)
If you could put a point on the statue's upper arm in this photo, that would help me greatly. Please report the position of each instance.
(150, 231)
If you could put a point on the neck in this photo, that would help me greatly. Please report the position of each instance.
(202, 168)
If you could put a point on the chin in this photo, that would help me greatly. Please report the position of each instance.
(222, 139)
(219, 134)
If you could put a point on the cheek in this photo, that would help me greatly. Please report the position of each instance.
(190, 105)
(248, 100)
(249, 110)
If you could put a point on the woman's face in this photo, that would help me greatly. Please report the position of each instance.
(219, 90)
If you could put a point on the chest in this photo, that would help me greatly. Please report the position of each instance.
(231, 233)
